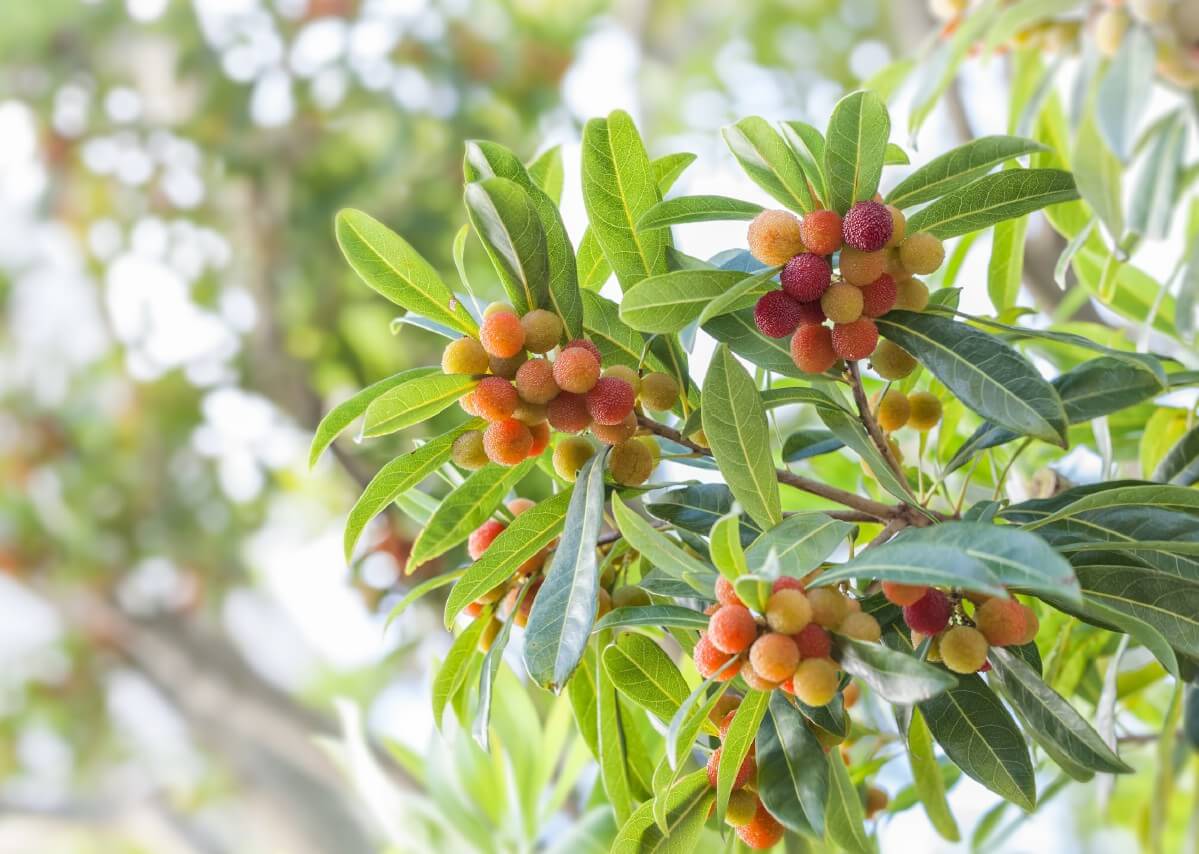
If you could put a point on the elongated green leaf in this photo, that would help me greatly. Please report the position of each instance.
(414, 402)
(926, 562)
(692, 717)
(809, 442)
(506, 221)
(481, 727)
(737, 742)
(1104, 496)
(854, 148)
(389, 265)
(613, 759)
(769, 162)
(896, 676)
(618, 188)
(668, 302)
(455, 668)
(684, 209)
(547, 173)
(592, 265)
(617, 343)
(644, 673)
(984, 373)
(895, 156)
(800, 543)
(465, 509)
(1050, 717)
(1181, 465)
(686, 810)
(1005, 269)
(1167, 603)
(977, 733)
(1099, 176)
(792, 774)
(667, 168)
(928, 779)
(993, 198)
(736, 297)
(419, 591)
(1120, 101)
(696, 507)
(958, 167)
(848, 428)
(845, 823)
(527, 534)
(738, 330)
(584, 701)
(654, 546)
(724, 546)
(564, 610)
(808, 144)
(675, 616)
(735, 424)
(1154, 196)
(341, 416)
(396, 478)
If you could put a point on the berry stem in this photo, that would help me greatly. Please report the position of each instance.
(869, 422)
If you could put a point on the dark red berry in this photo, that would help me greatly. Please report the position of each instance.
(806, 277)
(776, 314)
(867, 226)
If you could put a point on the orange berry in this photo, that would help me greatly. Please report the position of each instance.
(614, 434)
(812, 349)
(926, 411)
(851, 694)
(747, 771)
(1003, 622)
(507, 368)
(543, 330)
(842, 303)
(762, 832)
(482, 537)
(709, 661)
(876, 801)
(535, 381)
(892, 362)
(630, 463)
(732, 629)
(541, 438)
(587, 345)
(495, 398)
(519, 505)
(862, 268)
(893, 410)
(921, 253)
(821, 231)
(855, 340)
(743, 806)
(903, 594)
(502, 335)
(899, 226)
(829, 607)
(726, 594)
(786, 582)
(576, 370)
(774, 657)
(610, 401)
(507, 442)
(911, 295)
(569, 456)
(774, 237)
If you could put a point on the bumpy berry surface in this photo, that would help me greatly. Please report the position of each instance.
(812, 349)
(576, 370)
(747, 771)
(467, 450)
(878, 297)
(861, 268)
(497, 307)
(814, 642)
(776, 314)
(926, 410)
(1032, 626)
(755, 682)
(763, 831)
(842, 303)
(495, 398)
(624, 372)
(507, 442)
(568, 413)
(774, 237)
(1003, 622)
(774, 656)
(464, 356)
(535, 381)
(899, 226)
(786, 582)
(861, 627)
(587, 345)
(614, 434)
(788, 611)
(541, 438)
(893, 410)
(903, 594)
(732, 629)
(743, 805)
(867, 226)
(911, 295)
(467, 402)
(806, 277)
(963, 649)
(929, 614)
(726, 594)
(811, 313)
(828, 607)
(543, 330)
(610, 401)
(709, 661)
(921, 253)
(482, 537)
(821, 232)
(630, 463)
(502, 335)
(569, 456)
(507, 368)
(815, 681)
(855, 340)
(892, 362)
(659, 391)
(529, 413)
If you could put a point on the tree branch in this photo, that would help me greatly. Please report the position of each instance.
(870, 422)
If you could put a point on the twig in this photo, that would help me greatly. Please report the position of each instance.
(889, 530)
(869, 422)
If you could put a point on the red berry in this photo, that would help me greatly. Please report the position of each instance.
(732, 629)
(806, 277)
(495, 398)
(763, 831)
(786, 583)
(867, 226)
(930, 614)
(748, 769)
(855, 340)
(502, 335)
(878, 297)
(610, 401)
(710, 661)
(814, 642)
(576, 370)
(507, 442)
(726, 594)
(587, 345)
(776, 314)
(482, 537)
(568, 413)
(811, 313)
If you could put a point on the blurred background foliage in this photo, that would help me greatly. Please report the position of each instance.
(175, 616)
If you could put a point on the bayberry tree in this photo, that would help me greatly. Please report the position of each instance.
(845, 532)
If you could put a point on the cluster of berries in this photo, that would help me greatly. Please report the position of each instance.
(523, 397)
(962, 647)
(920, 410)
(876, 264)
(789, 646)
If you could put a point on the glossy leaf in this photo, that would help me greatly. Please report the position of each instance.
(655, 546)
(740, 333)
(1099, 176)
(725, 548)
(792, 774)
(548, 174)
(342, 416)
(736, 297)
(686, 810)
(692, 717)
(414, 402)
(737, 742)
(929, 561)
(696, 507)
(644, 673)
(668, 302)
(685, 209)
(844, 821)
(958, 167)
(455, 669)
(805, 443)
(613, 759)
(503, 216)
(854, 148)
(617, 342)
(674, 616)
(1167, 603)
(808, 144)
(929, 780)
(419, 591)
(1181, 464)
(896, 676)
(769, 162)
(1005, 269)
(993, 198)
(800, 543)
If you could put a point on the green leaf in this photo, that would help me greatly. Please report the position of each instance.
(735, 424)
(419, 591)
(507, 223)
(855, 147)
(684, 209)
(686, 810)
(667, 169)
(736, 297)
(895, 156)
(617, 343)
(978, 734)
(725, 547)
(792, 773)
(674, 616)
(613, 759)
(481, 728)
(584, 701)
(1098, 174)
(986, 374)
(644, 673)
(654, 546)
(938, 71)
(1181, 464)
(670, 301)
(1015, 558)
(916, 562)
(1166, 602)
(618, 188)
(1153, 199)
(1050, 717)
(1021, 15)
(928, 779)
(464, 510)
(994, 198)
(769, 162)
(414, 402)
(592, 265)
(547, 173)
(741, 334)
(396, 478)
(958, 167)
(737, 742)
(808, 144)
(1121, 98)
(844, 822)
(849, 429)
(454, 670)
(390, 266)
(1005, 269)
(696, 507)
(809, 442)
(341, 416)
(691, 718)
(1104, 496)
(564, 610)
(526, 535)
(896, 676)
(800, 543)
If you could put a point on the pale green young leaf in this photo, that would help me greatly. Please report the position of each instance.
(737, 742)
(993, 198)
(670, 301)
(855, 147)
(724, 545)
(456, 667)
(685, 209)
(414, 402)
(928, 779)
(769, 162)
(547, 172)
(341, 416)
